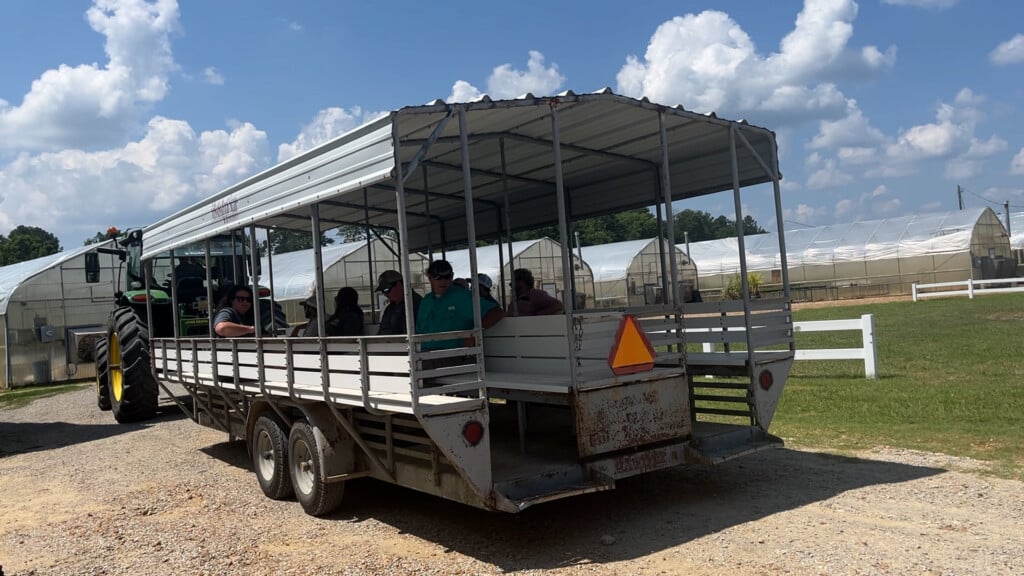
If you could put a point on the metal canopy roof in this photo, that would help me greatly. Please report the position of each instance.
(611, 154)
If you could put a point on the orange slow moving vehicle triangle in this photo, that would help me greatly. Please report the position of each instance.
(632, 351)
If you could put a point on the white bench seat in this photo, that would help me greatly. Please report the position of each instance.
(739, 358)
(525, 382)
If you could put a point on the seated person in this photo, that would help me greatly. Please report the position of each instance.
(449, 308)
(234, 316)
(530, 301)
(484, 285)
(392, 321)
(310, 327)
(347, 319)
(188, 268)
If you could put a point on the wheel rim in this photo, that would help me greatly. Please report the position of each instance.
(265, 455)
(302, 466)
(114, 367)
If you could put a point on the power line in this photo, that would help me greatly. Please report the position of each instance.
(992, 202)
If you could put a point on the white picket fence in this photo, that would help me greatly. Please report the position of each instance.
(967, 288)
(868, 352)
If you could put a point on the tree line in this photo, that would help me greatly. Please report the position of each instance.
(640, 224)
(27, 243)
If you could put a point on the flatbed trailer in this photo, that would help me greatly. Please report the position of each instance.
(534, 408)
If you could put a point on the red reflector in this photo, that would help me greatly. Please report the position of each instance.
(264, 292)
(473, 432)
(139, 298)
(765, 379)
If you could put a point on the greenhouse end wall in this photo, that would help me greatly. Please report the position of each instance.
(48, 316)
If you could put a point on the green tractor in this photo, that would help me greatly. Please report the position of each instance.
(125, 383)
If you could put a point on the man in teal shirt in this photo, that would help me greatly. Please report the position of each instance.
(448, 308)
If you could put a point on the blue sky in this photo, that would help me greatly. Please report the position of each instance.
(882, 107)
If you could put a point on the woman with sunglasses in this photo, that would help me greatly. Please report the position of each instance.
(234, 316)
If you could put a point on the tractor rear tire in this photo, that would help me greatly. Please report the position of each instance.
(102, 374)
(317, 496)
(134, 392)
(270, 457)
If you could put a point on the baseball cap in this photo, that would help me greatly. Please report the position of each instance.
(484, 281)
(311, 301)
(387, 279)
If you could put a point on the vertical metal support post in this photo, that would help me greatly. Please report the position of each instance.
(147, 274)
(426, 206)
(666, 188)
(508, 227)
(776, 191)
(563, 224)
(369, 254)
(174, 300)
(211, 306)
(741, 245)
(270, 275)
(318, 270)
(662, 263)
(403, 232)
(467, 188)
(257, 308)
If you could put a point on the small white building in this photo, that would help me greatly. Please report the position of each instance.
(50, 315)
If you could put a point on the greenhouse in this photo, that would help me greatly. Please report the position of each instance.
(630, 273)
(866, 258)
(348, 264)
(542, 257)
(50, 315)
(1017, 239)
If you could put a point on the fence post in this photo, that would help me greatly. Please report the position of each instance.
(913, 290)
(867, 322)
(970, 288)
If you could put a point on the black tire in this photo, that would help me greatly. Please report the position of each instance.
(270, 457)
(134, 392)
(102, 377)
(316, 496)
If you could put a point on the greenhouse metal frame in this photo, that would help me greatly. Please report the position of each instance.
(630, 273)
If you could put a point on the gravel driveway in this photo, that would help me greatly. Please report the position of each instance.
(83, 495)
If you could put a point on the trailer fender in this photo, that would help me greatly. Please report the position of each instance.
(334, 447)
(769, 379)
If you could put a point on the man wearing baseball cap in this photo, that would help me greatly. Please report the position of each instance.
(449, 308)
(392, 321)
(310, 327)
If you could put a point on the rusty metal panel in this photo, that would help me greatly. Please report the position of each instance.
(635, 463)
(631, 415)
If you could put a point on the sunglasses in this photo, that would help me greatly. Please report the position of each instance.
(243, 298)
(447, 277)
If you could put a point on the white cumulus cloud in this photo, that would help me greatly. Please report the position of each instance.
(1009, 52)
(508, 82)
(707, 62)
(326, 125)
(1017, 164)
(89, 105)
(212, 76)
(76, 193)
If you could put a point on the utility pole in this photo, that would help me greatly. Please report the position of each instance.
(1006, 211)
(960, 196)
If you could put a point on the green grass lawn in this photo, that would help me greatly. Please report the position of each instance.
(951, 380)
(22, 396)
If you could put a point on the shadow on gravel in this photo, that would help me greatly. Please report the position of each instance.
(21, 437)
(643, 515)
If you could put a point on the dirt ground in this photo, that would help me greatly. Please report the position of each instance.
(84, 495)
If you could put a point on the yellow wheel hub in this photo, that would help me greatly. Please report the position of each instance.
(114, 367)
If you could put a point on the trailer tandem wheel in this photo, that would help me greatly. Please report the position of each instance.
(317, 496)
(270, 457)
(134, 392)
(102, 376)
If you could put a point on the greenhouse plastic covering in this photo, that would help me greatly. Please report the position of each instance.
(610, 262)
(487, 259)
(1017, 230)
(903, 237)
(14, 275)
(294, 277)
